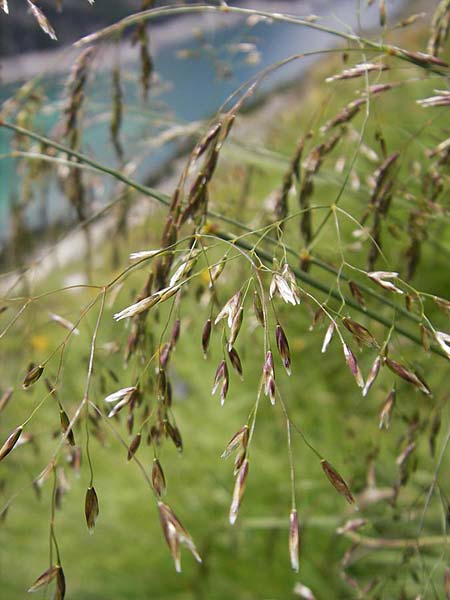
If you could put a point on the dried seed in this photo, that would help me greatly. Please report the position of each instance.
(65, 422)
(294, 540)
(134, 446)
(11, 441)
(32, 376)
(238, 492)
(336, 481)
(91, 509)
(158, 478)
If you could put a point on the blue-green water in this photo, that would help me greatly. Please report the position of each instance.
(189, 89)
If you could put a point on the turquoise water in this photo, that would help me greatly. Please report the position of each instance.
(189, 90)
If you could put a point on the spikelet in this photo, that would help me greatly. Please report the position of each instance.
(91, 508)
(294, 540)
(238, 492)
(41, 19)
(337, 481)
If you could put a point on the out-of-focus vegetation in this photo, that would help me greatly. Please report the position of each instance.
(397, 474)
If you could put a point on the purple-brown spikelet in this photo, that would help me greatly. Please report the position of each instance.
(283, 348)
(373, 373)
(386, 410)
(337, 481)
(158, 478)
(359, 332)
(175, 534)
(352, 364)
(133, 448)
(268, 376)
(357, 294)
(239, 440)
(221, 376)
(407, 375)
(294, 540)
(235, 361)
(238, 492)
(91, 508)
